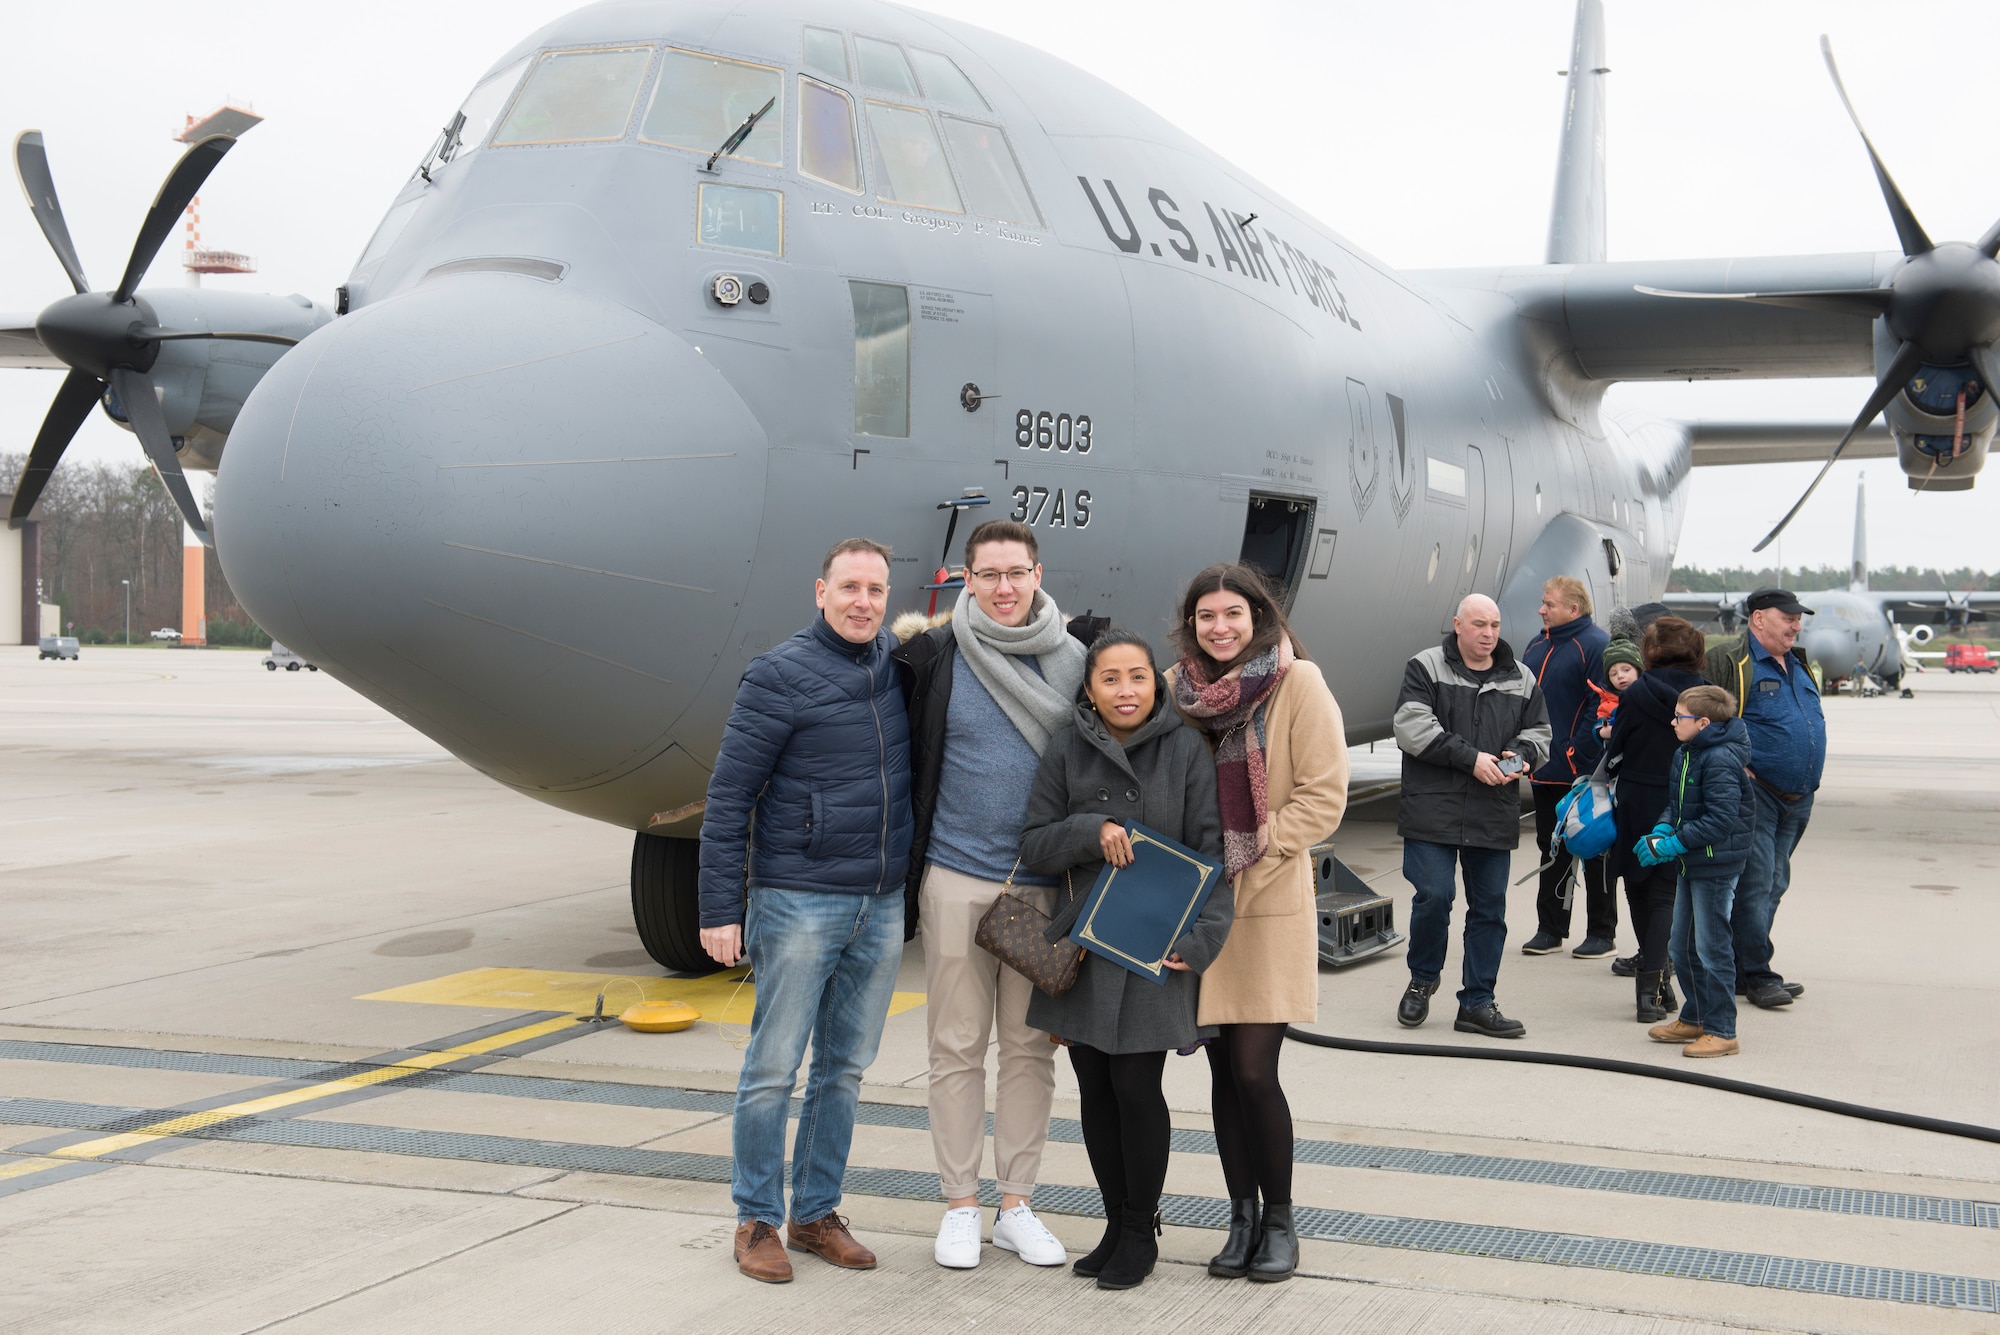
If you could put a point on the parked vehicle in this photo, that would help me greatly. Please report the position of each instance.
(1969, 658)
(281, 657)
(167, 634)
(59, 646)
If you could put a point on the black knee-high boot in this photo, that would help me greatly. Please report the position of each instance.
(1233, 1261)
(1137, 1252)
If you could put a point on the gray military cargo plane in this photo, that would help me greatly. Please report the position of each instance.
(686, 290)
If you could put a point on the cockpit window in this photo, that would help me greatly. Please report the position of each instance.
(945, 82)
(909, 161)
(826, 53)
(478, 112)
(577, 95)
(883, 66)
(702, 100)
(994, 186)
(828, 148)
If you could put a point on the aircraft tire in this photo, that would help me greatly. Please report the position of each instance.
(665, 904)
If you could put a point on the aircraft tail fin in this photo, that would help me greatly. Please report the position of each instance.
(1576, 223)
(1857, 570)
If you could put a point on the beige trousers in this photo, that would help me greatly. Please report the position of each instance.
(968, 991)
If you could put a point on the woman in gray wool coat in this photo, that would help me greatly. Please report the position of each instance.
(1126, 757)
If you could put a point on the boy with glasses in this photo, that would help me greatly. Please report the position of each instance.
(1705, 831)
(987, 686)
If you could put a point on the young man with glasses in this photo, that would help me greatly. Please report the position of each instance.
(987, 685)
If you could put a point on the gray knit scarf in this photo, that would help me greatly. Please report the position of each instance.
(1036, 703)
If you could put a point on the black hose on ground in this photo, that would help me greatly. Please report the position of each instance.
(1814, 1101)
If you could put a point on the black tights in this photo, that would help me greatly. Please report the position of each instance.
(1253, 1122)
(1125, 1125)
(1650, 895)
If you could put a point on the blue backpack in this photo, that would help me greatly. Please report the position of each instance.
(1585, 823)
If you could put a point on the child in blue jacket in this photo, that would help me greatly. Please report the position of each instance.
(1706, 830)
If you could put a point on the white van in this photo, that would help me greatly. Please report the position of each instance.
(281, 657)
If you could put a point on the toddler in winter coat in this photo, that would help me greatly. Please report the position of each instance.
(1621, 668)
(1705, 830)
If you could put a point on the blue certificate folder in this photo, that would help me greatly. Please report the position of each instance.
(1133, 915)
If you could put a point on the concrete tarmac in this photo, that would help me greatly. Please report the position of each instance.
(235, 1094)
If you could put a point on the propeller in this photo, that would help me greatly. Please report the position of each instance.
(110, 340)
(1942, 304)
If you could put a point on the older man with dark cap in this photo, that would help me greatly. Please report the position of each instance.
(1778, 700)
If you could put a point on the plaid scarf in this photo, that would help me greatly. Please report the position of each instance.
(1230, 710)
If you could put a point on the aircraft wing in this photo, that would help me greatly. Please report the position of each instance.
(20, 346)
(1594, 321)
(1725, 608)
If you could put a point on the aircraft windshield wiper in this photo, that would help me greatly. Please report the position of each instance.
(735, 141)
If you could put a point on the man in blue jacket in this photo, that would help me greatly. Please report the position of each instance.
(817, 749)
(1567, 662)
(1770, 677)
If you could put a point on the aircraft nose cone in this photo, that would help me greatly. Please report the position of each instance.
(517, 517)
(1832, 649)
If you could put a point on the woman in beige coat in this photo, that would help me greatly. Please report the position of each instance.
(1281, 779)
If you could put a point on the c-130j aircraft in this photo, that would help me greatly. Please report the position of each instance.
(687, 290)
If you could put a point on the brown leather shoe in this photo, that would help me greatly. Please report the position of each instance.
(1674, 1031)
(829, 1240)
(1711, 1045)
(760, 1255)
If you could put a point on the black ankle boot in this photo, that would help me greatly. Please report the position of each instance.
(1277, 1245)
(1669, 1003)
(1137, 1251)
(1233, 1261)
(1647, 986)
(1092, 1265)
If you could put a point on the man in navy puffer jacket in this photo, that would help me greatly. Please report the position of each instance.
(817, 748)
(1705, 830)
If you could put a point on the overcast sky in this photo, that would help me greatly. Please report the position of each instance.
(1423, 131)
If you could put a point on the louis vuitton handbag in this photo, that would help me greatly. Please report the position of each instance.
(1015, 932)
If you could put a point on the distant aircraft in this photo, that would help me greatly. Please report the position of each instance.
(1857, 633)
(682, 293)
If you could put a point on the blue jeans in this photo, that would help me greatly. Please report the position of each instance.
(1428, 867)
(825, 967)
(1780, 825)
(1703, 954)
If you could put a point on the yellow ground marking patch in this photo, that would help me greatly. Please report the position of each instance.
(22, 1167)
(720, 997)
(195, 1121)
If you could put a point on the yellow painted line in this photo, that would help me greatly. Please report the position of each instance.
(196, 1121)
(22, 1167)
(722, 997)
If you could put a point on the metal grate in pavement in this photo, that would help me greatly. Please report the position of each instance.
(1790, 1274)
(1330, 1153)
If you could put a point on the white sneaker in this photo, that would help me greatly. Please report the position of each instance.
(958, 1239)
(1018, 1231)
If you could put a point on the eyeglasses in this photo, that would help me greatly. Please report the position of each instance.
(1016, 577)
(1688, 718)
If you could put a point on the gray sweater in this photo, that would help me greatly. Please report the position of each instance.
(1164, 777)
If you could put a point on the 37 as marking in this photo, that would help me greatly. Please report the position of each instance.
(1038, 507)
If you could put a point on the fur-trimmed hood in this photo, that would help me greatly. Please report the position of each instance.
(912, 624)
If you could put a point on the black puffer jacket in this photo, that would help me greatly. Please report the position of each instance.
(1641, 745)
(926, 656)
(1709, 800)
(1164, 778)
(1444, 719)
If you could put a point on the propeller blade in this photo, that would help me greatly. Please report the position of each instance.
(1989, 244)
(170, 335)
(1864, 301)
(1901, 367)
(149, 424)
(31, 165)
(180, 187)
(73, 402)
(1908, 230)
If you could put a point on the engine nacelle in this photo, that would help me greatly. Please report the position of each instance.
(1921, 634)
(1943, 422)
(204, 381)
